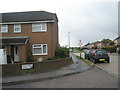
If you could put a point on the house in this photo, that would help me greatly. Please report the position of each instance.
(97, 44)
(117, 40)
(29, 35)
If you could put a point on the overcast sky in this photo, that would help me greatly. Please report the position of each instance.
(86, 20)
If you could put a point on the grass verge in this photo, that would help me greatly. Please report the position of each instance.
(85, 60)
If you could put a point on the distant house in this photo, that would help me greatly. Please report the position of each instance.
(32, 34)
(97, 44)
(117, 40)
(94, 44)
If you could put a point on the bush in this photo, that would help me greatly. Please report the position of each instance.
(110, 49)
(52, 58)
(61, 52)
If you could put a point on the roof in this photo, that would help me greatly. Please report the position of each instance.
(117, 38)
(28, 16)
(14, 40)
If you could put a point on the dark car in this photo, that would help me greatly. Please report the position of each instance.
(118, 50)
(90, 54)
(100, 55)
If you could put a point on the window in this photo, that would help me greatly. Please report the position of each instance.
(4, 28)
(17, 28)
(39, 27)
(40, 49)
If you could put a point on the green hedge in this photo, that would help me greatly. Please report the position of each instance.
(110, 49)
(61, 52)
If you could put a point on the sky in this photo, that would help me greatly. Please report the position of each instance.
(86, 20)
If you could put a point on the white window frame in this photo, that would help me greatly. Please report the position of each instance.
(4, 27)
(41, 49)
(17, 26)
(39, 26)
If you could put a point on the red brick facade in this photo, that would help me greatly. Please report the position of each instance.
(49, 37)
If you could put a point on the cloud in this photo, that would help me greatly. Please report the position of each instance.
(86, 20)
(89, 22)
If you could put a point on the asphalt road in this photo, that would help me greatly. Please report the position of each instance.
(94, 78)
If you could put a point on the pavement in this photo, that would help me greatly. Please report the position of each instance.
(93, 78)
(77, 67)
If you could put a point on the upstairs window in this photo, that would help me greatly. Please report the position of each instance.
(42, 27)
(40, 49)
(4, 28)
(17, 28)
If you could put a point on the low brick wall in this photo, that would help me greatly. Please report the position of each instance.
(16, 69)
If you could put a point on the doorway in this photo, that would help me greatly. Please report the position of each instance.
(16, 54)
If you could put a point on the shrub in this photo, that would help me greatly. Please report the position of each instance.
(52, 58)
(61, 52)
(110, 49)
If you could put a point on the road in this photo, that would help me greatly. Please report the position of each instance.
(111, 67)
(94, 78)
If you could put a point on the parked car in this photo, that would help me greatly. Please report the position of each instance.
(118, 50)
(86, 54)
(100, 55)
(90, 54)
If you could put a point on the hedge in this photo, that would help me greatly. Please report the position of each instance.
(61, 52)
(110, 49)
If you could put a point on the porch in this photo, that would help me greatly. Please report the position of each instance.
(15, 47)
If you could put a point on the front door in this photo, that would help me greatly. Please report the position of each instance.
(16, 54)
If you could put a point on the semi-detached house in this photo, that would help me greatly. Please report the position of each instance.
(32, 34)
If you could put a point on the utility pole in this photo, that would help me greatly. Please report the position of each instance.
(69, 40)
(80, 47)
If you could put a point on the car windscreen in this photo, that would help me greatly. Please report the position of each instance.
(101, 52)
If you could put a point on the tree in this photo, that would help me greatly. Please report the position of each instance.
(107, 42)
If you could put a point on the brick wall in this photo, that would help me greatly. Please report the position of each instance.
(22, 50)
(15, 69)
